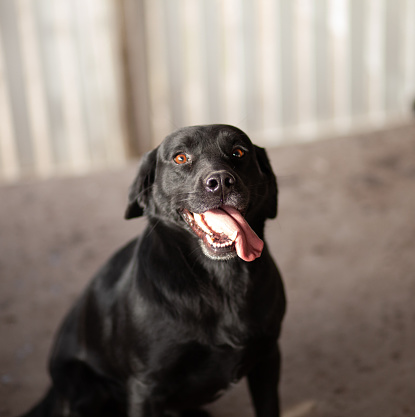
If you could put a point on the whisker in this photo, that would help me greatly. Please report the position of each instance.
(154, 226)
(143, 191)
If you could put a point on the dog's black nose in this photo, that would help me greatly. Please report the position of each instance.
(220, 181)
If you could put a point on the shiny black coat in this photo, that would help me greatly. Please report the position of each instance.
(162, 327)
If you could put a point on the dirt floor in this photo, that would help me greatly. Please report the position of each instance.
(344, 240)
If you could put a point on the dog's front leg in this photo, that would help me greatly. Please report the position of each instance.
(263, 385)
(140, 403)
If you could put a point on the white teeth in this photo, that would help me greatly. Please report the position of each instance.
(233, 237)
(218, 245)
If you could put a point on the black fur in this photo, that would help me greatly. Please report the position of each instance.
(163, 328)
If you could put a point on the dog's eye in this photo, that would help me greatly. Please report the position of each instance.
(238, 153)
(181, 158)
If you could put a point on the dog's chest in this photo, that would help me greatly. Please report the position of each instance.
(203, 338)
(198, 366)
(194, 373)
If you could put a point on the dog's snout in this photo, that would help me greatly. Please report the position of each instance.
(220, 181)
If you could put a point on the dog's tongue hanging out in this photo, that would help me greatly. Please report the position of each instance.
(230, 221)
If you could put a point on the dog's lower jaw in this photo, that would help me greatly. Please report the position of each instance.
(217, 257)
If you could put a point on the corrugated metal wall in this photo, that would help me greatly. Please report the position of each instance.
(60, 95)
(282, 70)
(79, 84)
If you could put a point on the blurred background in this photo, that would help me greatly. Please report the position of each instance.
(89, 84)
(327, 86)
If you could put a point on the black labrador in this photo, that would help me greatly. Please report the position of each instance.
(195, 303)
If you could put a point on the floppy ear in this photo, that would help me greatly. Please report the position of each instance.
(272, 188)
(141, 189)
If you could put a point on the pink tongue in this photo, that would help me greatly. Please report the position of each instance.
(228, 220)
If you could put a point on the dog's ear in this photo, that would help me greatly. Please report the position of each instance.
(141, 189)
(271, 204)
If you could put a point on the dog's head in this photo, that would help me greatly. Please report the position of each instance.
(214, 182)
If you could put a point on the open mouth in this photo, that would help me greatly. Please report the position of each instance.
(218, 243)
(224, 233)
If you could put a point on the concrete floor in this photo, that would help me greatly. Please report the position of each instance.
(344, 240)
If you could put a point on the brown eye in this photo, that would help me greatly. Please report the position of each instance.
(181, 158)
(238, 153)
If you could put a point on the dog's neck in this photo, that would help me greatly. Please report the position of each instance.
(210, 293)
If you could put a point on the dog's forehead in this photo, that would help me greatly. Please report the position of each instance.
(201, 138)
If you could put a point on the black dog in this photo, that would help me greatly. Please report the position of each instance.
(191, 306)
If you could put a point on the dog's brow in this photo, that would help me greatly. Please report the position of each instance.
(225, 136)
(188, 140)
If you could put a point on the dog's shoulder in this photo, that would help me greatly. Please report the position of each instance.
(113, 269)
